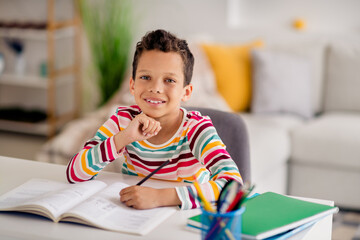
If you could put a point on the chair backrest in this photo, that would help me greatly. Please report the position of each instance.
(232, 131)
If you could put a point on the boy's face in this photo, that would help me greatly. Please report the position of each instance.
(159, 85)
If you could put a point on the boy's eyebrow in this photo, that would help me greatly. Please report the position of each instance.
(143, 70)
(166, 73)
(171, 74)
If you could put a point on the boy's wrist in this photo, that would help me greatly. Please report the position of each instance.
(168, 197)
(121, 140)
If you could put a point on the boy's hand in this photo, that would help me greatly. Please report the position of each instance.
(140, 128)
(143, 127)
(140, 197)
(146, 197)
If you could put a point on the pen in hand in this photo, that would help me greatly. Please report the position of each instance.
(152, 173)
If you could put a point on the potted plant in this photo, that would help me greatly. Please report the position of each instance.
(109, 29)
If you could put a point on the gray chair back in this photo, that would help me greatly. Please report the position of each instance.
(232, 131)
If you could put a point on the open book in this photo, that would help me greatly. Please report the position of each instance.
(91, 203)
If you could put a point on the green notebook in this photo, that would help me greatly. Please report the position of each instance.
(269, 214)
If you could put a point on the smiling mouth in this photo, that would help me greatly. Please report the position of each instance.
(154, 101)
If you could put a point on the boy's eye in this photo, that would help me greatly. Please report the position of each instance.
(145, 77)
(170, 80)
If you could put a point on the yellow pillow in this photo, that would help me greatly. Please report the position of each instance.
(232, 68)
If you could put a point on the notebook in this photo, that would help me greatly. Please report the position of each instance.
(270, 214)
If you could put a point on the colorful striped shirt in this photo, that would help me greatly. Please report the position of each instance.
(196, 153)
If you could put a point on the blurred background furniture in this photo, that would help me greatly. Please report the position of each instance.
(40, 85)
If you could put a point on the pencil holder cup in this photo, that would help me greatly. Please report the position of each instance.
(221, 225)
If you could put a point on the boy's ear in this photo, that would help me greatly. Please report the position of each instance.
(187, 92)
(132, 86)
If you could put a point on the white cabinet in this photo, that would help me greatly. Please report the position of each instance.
(48, 78)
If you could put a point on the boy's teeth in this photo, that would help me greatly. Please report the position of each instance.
(156, 102)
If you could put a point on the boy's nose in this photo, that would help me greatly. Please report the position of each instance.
(155, 87)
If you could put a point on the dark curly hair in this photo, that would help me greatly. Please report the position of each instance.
(166, 42)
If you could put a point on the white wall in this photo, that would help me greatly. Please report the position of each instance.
(207, 20)
(189, 18)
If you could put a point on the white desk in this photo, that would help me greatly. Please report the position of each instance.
(14, 172)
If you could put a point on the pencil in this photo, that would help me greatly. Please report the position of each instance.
(152, 173)
(207, 205)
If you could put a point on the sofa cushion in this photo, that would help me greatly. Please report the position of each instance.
(339, 185)
(315, 53)
(231, 65)
(343, 76)
(332, 140)
(281, 83)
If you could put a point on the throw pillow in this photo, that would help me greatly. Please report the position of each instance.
(232, 68)
(343, 76)
(205, 93)
(281, 83)
(314, 52)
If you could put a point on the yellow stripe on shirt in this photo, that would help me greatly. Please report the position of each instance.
(105, 131)
(177, 139)
(130, 166)
(211, 145)
(215, 189)
(83, 164)
(236, 174)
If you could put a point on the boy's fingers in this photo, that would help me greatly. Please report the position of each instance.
(152, 127)
(126, 190)
(129, 203)
(145, 123)
(125, 194)
(158, 129)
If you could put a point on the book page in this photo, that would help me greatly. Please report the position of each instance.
(105, 210)
(27, 192)
(55, 197)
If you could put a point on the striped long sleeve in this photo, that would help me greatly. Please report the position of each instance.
(96, 154)
(207, 147)
(196, 153)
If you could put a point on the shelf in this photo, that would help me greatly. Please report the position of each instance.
(63, 24)
(33, 81)
(40, 128)
(23, 81)
(47, 33)
(36, 34)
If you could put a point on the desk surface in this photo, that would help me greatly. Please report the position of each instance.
(14, 172)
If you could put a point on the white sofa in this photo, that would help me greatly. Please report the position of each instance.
(307, 145)
(322, 152)
(325, 156)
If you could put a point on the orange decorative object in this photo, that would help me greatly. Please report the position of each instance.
(299, 24)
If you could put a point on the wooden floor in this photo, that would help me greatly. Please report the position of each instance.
(346, 225)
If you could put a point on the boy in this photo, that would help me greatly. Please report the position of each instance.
(158, 129)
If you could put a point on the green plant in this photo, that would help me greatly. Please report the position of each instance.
(109, 29)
